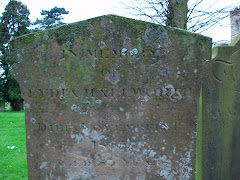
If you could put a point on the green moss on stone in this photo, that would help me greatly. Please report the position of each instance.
(235, 40)
(199, 145)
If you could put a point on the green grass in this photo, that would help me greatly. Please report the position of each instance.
(13, 162)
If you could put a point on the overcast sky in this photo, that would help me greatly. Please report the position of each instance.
(84, 9)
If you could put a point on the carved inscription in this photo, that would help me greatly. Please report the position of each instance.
(102, 161)
(227, 70)
(168, 91)
(120, 54)
(110, 98)
(146, 128)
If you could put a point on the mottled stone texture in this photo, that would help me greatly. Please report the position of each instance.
(2, 106)
(220, 116)
(111, 98)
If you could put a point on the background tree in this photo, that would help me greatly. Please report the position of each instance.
(53, 18)
(14, 22)
(178, 13)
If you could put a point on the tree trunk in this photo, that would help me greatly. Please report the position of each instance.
(16, 105)
(2, 106)
(177, 14)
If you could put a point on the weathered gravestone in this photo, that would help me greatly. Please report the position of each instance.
(221, 115)
(2, 105)
(111, 98)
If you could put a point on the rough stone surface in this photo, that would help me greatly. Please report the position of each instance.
(2, 106)
(235, 22)
(221, 115)
(111, 98)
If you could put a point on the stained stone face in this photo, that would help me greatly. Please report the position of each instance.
(111, 98)
(221, 115)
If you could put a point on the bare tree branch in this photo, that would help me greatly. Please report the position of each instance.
(198, 19)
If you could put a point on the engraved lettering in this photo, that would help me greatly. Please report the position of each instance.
(169, 91)
(190, 92)
(92, 92)
(104, 93)
(42, 127)
(29, 93)
(95, 53)
(41, 92)
(122, 93)
(136, 91)
(90, 52)
(94, 144)
(115, 52)
(150, 93)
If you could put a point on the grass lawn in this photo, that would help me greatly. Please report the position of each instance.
(13, 157)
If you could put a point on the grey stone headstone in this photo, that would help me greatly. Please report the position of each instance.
(111, 98)
(220, 122)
